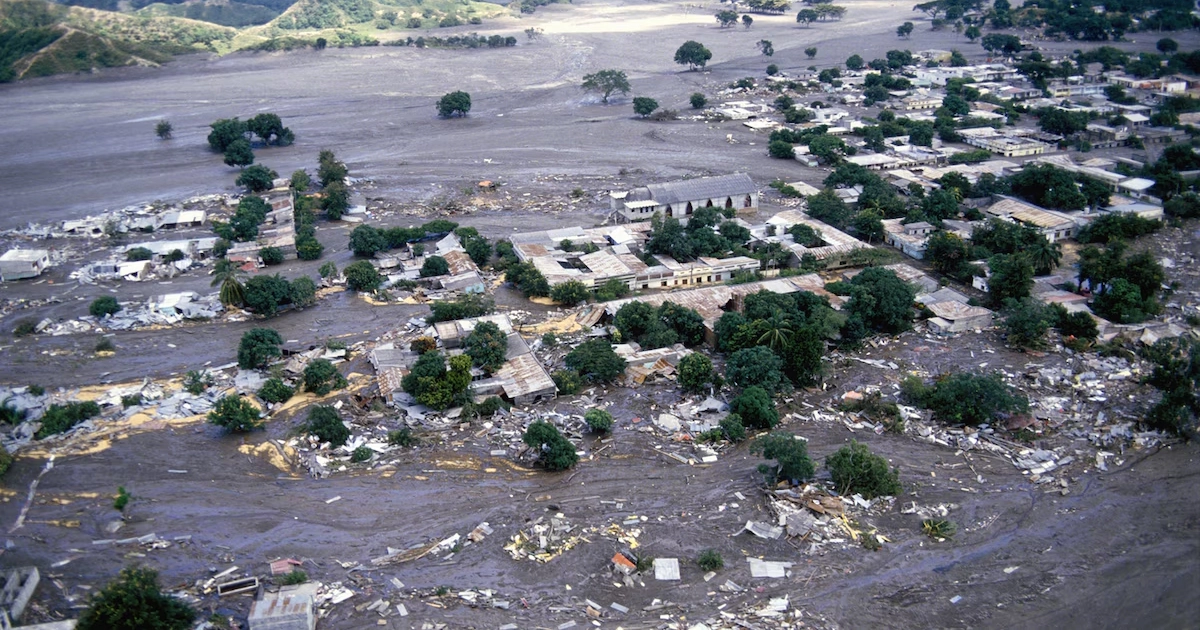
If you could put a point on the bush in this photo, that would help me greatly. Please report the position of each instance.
(271, 256)
(10, 414)
(321, 377)
(195, 382)
(876, 409)
(555, 452)
(104, 345)
(362, 276)
(60, 418)
(235, 414)
(790, 455)
(402, 437)
(567, 381)
(1026, 322)
(695, 372)
(938, 528)
(698, 100)
(106, 305)
(755, 408)
(131, 400)
(598, 420)
(434, 266)
(464, 307)
(569, 293)
(275, 391)
(855, 469)
(258, 347)
(710, 560)
(122, 499)
(37, 390)
(549, 340)
(24, 327)
(325, 423)
(973, 399)
(138, 253)
(361, 454)
(309, 248)
(732, 428)
(755, 367)
(293, 577)
(134, 602)
(595, 361)
(6, 460)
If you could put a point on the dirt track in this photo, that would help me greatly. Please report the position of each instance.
(1121, 549)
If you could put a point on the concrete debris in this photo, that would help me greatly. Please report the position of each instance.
(544, 539)
(768, 568)
(763, 530)
(666, 569)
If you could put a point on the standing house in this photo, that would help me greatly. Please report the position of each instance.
(679, 199)
(1056, 226)
(17, 264)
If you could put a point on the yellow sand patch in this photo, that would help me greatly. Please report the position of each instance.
(545, 301)
(514, 466)
(70, 524)
(7, 493)
(463, 463)
(327, 291)
(108, 432)
(565, 325)
(279, 456)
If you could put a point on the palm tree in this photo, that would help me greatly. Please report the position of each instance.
(778, 332)
(228, 275)
(1044, 255)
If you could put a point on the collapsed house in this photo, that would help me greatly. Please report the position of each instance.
(277, 230)
(834, 250)
(19, 264)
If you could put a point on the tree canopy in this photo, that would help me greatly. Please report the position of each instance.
(134, 601)
(606, 82)
(258, 347)
(595, 361)
(456, 103)
(692, 54)
(487, 346)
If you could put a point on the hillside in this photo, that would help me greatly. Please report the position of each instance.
(39, 38)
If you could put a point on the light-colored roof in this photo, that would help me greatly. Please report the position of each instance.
(524, 375)
(951, 310)
(1137, 183)
(24, 255)
(696, 189)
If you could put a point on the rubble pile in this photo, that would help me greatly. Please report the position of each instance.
(545, 539)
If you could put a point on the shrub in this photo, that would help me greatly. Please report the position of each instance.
(10, 414)
(855, 469)
(732, 428)
(695, 372)
(755, 367)
(275, 391)
(309, 248)
(549, 340)
(60, 418)
(362, 276)
(434, 266)
(36, 390)
(973, 399)
(134, 602)
(361, 454)
(131, 400)
(24, 327)
(104, 345)
(555, 452)
(569, 293)
(321, 377)
(138, 253)
(465, 306)
(235, 414)
(595, 361)
(938, 528)
(567, 381)
(271, 256)
(755, 408)
(195, 382)
(598, 420)
(293, 577)
(258, 347)
(122, 499)
(790, 455)
(402, 437)
(6, 460)
(1026, 322)
(710, 560)
(876, 409)
(106, 305)
(698, 100)
(325, 423)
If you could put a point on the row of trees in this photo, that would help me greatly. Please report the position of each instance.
(232, 136)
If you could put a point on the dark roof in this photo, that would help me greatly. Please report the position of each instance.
(694, 189)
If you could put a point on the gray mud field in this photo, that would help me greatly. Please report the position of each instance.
(1107, 549)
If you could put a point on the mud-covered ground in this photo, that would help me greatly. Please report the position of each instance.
(1120, 547)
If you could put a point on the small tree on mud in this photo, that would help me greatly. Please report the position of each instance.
(555, 452)
(134, 602)
(235, 414)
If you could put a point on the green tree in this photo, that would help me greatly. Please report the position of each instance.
(973, 32)
(569, 293)
(325, 423)
(330, 169)
(1176, 376)
(270, 128)
(336, 200)
(362, 276)
(303, 292)
(163, 129)
(228, 276)
(235, 414)
(904, 30)
(692, 54)
(434, 266)
(271, 256)
(487, 346)
(322, 377)
(256, 178)
(275, 391)
(104, 305)
(1007, 44)
(134, 602)
(695, 372)
(1044, 255)
(225, 132)
(790, 455)
(1184, 206)
(1121, 302)
(856, 470)
(265, 294)
(456, 103)
(606, 82)
(767, 48)
(1011, 278)
(1026, 322)
(880, 300)
(555, 452)
(365, 240)
(138, 254)
(727, 18)
(258, 347)
(756, 409)
(239, 153)
(527, 279)
(855, 62)
(300, 181)
(810, 52)
(755, 367)
(596, 361)
(1167, 45)
(598, 420)
(644, 106)
(807, 17)
(698, 100)
(972, 399)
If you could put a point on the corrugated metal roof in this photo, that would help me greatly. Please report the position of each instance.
(525, 376)
(695, 189)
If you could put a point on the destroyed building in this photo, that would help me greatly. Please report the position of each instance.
(19, 264)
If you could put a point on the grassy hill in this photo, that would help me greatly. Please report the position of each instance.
(39, 38)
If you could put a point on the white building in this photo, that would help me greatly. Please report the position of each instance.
(680, 199)
(17, 264)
